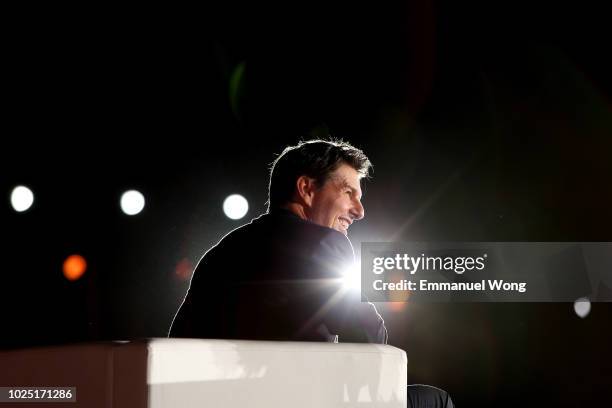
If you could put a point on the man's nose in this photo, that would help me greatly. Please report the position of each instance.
(358, 212)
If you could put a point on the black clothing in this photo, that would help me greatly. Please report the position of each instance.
(277, 278)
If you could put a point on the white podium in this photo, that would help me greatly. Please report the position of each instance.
(189, 373)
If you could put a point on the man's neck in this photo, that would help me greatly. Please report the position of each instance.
(296, 209)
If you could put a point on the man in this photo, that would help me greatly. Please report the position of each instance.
(280, 276)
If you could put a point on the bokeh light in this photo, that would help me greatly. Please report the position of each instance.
(132, 202)
(22, 198)
(582, 307)
(183, 269)
(235, 206)
(74, 267)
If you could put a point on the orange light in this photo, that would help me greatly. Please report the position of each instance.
(183, 269)
(74, 267)
(398, 297)
(397, 306)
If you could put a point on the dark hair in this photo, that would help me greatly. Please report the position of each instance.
(312, 158)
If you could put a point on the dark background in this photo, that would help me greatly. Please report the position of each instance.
(485, 122)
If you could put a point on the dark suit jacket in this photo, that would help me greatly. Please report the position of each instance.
(277, 278)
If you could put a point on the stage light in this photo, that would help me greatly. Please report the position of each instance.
(132, 202)
(582, 307)
(351, 277)
(74, 267)
(22, 198)
(235, 206)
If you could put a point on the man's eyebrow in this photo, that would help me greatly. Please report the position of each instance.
(345, 184)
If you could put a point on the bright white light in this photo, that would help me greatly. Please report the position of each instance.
(235, 206)
(352, 277)
(22, 198)
(582, 307)
(132, 202)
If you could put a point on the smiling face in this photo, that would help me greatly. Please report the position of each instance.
(338, 202)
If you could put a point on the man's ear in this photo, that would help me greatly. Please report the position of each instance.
(305, 187)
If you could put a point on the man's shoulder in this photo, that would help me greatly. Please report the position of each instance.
(285, 230)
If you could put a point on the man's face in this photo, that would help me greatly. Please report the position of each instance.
(338, 202)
